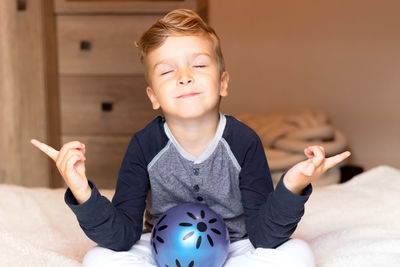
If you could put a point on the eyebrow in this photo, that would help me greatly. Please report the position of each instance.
(169, 59)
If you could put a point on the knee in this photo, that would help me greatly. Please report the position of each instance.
(97, 256)
(103, 257)
(302, 252)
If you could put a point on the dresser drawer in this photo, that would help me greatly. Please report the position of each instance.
(100, 44)
(104, 104)
(111, 6)
(103, 157)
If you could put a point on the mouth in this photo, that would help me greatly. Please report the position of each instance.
(188, 95)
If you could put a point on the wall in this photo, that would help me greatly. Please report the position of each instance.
(338, 56)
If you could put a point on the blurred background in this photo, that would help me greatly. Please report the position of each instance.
(69, 71)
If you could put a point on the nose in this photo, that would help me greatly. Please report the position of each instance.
(185, 78)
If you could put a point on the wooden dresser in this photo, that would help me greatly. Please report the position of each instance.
(101, 83)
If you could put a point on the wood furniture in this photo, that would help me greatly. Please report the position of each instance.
(101, 82)
(69, 71)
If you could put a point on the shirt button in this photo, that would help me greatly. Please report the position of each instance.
(196, 171)
(196, 188)
(199, 199)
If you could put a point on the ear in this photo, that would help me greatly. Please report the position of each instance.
(224, 84)
(153, 98)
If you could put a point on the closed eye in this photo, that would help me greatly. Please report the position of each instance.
(200, 66)
(166, 72)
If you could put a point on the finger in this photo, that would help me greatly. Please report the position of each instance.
(332, 161)
(70, 164)
(70, 155)
(48, 150)
(316, 154)
(308, 152)
(83, 150)
(68, 146)
(69, 172)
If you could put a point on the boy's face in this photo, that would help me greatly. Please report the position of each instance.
(184, 77)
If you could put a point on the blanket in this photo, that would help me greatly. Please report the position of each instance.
(356, 223)
(351, 224)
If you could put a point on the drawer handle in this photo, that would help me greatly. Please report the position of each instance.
(107, 106)
(21, 5)
(86, 45)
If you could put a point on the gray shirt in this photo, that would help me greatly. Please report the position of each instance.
(231, 177)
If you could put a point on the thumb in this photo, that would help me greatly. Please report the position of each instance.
(307, 168)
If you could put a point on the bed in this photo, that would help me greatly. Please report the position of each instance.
(350, 224)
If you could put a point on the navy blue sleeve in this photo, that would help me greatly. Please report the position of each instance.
(271, 216)
(116, 225)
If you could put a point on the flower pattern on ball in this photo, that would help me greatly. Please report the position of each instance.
(202, 226)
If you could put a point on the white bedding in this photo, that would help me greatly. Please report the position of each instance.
(356, 223)
(352, 224)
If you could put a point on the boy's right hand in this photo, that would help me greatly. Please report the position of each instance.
(70, 161)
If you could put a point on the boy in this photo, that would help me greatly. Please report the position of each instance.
(191, 154)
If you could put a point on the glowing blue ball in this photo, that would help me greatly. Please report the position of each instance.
(190, 235)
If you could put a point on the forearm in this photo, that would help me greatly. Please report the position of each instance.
(266, 232)
(275, 220)
(105, 224)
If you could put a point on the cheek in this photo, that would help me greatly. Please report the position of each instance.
(208, 78)
(216, 83)
(160, 85)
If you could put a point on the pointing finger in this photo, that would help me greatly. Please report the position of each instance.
(48, 150)
(332, 161)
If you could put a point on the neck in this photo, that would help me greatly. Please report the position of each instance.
(194, 135)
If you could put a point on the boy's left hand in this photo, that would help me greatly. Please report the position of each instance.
(303, 173)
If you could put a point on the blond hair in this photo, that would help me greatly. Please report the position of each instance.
(178, 22)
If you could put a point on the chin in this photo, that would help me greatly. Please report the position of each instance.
(192, 115)
(192, 111)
